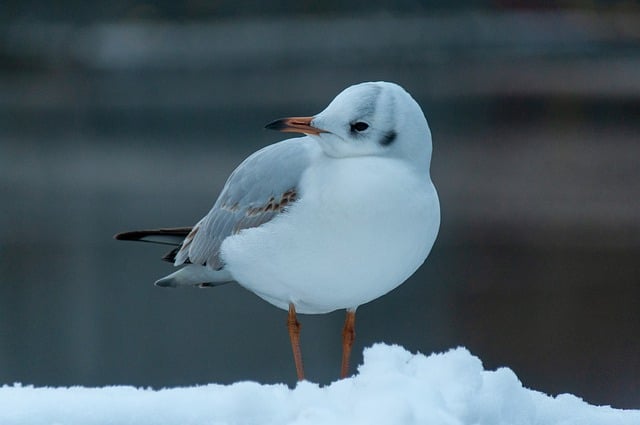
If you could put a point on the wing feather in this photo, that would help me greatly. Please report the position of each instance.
(257, 191)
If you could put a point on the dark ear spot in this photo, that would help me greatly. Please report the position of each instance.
(388, 138)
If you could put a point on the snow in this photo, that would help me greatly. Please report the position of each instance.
(393, 386)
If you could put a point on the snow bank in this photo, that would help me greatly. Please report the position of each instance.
(393, 386)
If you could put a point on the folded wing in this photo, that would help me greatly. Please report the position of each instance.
(262, 187)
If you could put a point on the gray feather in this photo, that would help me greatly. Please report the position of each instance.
(257, 191)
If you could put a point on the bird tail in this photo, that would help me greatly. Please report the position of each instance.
(190, 275)
(195, 275)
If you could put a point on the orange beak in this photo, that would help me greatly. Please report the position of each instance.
(295, 125)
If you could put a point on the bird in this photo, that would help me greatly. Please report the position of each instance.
(327, 221)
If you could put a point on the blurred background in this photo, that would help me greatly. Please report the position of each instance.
(125, 114)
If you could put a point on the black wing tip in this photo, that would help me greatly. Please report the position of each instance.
(136, 235)
(171, 256)
(128, 236)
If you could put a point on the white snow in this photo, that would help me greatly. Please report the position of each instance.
(393, 386)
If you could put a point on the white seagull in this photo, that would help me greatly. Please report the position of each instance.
(328, 221)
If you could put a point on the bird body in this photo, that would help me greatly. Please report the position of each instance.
(361, 227)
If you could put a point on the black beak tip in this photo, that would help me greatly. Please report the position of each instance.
(276, 125)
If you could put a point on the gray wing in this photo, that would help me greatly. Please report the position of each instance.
(258, 190)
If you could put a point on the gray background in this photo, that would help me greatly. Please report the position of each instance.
(125, 115)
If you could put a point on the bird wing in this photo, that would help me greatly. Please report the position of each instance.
(260, 188)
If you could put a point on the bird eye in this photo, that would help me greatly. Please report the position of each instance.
(359, 126)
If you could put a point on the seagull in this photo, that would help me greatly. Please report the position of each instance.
(327, 221)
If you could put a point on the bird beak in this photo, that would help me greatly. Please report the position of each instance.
(295, 125)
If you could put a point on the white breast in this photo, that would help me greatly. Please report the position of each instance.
(362, 226)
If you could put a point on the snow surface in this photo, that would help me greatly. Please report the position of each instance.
(393, 386)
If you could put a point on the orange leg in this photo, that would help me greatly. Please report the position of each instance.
(294, 334)
(348, 336)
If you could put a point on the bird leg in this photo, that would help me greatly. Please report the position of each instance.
(294, 334)
(348, 336)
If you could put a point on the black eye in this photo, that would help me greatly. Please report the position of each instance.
(359, 126)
